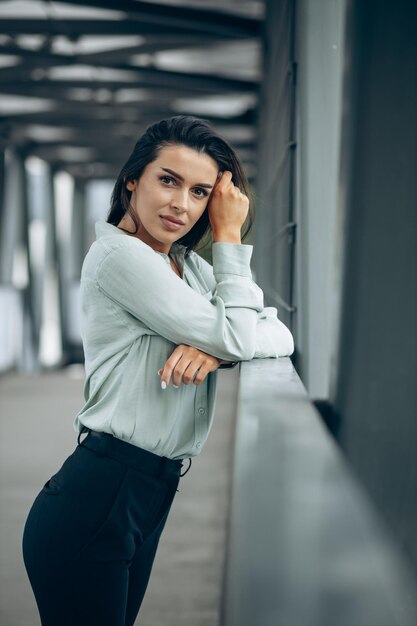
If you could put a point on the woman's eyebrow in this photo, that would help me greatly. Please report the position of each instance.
(166, 169)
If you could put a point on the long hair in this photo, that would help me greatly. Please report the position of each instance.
(184, 130)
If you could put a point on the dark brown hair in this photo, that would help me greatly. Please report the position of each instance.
(184, 130)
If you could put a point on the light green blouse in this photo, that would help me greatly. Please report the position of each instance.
(135, 310)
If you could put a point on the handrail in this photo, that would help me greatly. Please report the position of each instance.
(305, 546)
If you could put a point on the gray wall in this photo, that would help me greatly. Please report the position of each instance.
(374, 389)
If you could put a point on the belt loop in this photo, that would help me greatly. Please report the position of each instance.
(189, 458)
(83, 430)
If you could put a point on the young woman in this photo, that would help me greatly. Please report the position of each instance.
(157, 323)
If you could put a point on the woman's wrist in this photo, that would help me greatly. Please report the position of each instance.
(227, 237)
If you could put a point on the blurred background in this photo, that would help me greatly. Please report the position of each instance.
(319, 99)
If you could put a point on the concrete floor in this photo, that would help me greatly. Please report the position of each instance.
(36, 435)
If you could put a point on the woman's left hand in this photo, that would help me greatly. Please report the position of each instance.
(187, 362)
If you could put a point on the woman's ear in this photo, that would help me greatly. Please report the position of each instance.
(131, 185)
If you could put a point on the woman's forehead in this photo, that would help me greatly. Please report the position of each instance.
(187, 161)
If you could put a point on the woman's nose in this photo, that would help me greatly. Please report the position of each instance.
(181, 200)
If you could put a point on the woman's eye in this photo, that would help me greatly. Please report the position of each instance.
(166, 178)
(203, 192)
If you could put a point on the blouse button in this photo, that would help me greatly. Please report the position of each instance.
(201, 410)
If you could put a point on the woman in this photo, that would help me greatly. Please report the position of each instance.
(157, 323)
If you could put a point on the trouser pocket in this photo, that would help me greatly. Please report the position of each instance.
(71, 508)
(52, 486)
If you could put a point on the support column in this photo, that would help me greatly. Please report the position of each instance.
(274, 226)
(30, 348)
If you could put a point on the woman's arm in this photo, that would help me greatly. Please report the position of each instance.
(132, 275)
(273, 337)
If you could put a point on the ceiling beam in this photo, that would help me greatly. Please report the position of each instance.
(114, 147)
(43, 59)
(115, 55)
(101, 124)
(208, 20)
(143, 76)
(80, 121)
(75, 28)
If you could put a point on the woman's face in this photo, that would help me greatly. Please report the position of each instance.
(177, 184)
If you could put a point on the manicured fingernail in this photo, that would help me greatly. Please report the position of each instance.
(159, 372)
(163, 384)
(175, 386)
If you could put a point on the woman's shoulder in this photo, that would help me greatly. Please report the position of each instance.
(122, 251)
(112, 238)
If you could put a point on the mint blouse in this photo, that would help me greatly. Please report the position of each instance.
(135, 310)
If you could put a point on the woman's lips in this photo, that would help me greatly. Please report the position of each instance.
(169, 224)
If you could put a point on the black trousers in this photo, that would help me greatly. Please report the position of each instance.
(91, 535)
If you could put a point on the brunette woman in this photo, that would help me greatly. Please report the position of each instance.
(157, 322)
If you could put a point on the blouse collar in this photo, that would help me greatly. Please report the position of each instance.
(103, 228)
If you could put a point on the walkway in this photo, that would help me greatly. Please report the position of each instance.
(37, 411)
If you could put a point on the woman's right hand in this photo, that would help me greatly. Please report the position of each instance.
(188, 365)
(228, 206)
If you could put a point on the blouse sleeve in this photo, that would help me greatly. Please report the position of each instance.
(273, 338)
(139, 281)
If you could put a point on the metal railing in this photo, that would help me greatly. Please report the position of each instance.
(305, 545)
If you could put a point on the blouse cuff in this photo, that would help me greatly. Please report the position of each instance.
(232, 258)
